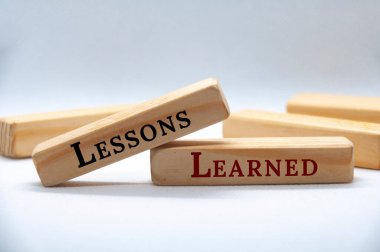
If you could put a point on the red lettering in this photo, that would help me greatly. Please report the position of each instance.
(196, 173)
(219, 168)
(315, 167)
(236, 168)
(251, 169)
(291, 167)
(270, 165)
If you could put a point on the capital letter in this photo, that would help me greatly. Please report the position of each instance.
(166, 125)
(251, 169)
(274, 169)
(143, 135)
(219, 168)
(196, 173)
(291, 167)
(236, 168)
(80, 156)
(315, 167)
(183, 119)
(103, 153)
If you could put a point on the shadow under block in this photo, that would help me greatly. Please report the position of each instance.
(127, 133)
(338, 106)
(234, 161)
(365, 136)
(20, 134)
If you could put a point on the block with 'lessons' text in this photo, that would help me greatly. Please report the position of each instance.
(127, 133)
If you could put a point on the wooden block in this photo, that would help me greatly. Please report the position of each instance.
(346, 107)
(20, 134)
(234, 161)
(127, 133)
(365, 136)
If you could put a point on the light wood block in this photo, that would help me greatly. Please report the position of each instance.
(20, 134)
(234, 161)
(338, 106)
(365, 136)
(127, 133)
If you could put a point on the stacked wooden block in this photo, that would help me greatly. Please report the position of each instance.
(317, 141)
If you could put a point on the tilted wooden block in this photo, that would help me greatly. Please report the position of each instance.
(234, 161)
(346, 107)
(365, 136)
(127, 133)
(20, 134)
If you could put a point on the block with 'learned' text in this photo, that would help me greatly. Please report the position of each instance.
(234, 161)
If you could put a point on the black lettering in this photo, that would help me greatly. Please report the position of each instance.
(164, 124)
(118, 144)
(183, 119)
(102, 150)
(142, 132)
(133, 139)
(80, 156)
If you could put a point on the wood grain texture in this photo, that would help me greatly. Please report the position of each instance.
(337, 106)
(365, 136)
(127, 133)
(234, 161)
(20, 134)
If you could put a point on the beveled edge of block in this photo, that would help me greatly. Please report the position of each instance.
(293, 101)
(153, 152)
(42, 180)
(378, 156)
(219, 89)
(258, 142)
(208, 83)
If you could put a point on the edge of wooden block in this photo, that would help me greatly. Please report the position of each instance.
(261, 142)
(358, 108)
(6, 137)
(378, 149)
(154, 179)
(292, 102)
(222, 97)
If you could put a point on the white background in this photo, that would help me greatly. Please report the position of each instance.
(69, 54)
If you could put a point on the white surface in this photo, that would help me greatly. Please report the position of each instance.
(68, 54)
